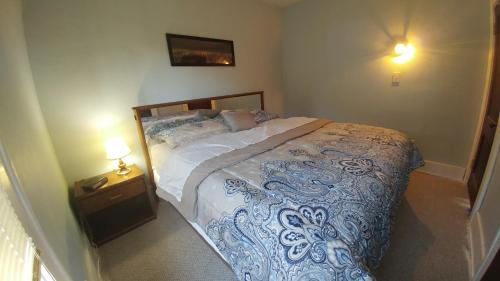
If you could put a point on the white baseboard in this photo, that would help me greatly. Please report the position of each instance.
(443, 170)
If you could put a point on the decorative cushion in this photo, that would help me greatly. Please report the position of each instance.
(238, 120)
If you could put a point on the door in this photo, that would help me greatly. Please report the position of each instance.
(490, 120)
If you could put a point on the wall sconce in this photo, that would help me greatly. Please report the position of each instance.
(403, 52)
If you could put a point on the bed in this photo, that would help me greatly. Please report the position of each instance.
(291, 199)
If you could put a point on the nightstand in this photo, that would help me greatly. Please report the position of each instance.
(122, 204)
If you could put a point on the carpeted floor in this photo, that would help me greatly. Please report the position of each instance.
(429, 242)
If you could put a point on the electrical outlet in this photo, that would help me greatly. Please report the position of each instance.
(396, 78)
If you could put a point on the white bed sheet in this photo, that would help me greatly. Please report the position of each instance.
(171, 168)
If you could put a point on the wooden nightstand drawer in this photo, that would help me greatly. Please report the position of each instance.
(120, 205)
(113, 196)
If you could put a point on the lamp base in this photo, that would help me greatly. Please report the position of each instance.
(123, 172)
(122, 168)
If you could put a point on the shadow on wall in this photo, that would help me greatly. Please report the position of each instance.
(408, 10)
(384, 48)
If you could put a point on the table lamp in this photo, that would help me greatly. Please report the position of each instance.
(116, 149)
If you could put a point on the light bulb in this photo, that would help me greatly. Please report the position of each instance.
(403, 53)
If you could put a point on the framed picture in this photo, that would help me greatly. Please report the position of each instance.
(198, 51)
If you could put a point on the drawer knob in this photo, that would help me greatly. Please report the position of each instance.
(114, 197)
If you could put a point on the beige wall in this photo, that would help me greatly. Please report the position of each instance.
(336, 65)
(93, 60)
(25, 137)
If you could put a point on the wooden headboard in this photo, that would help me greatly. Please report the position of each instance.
(203, 103)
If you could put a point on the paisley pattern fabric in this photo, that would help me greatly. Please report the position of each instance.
(190, 131)
(161, 120)
(319, 207)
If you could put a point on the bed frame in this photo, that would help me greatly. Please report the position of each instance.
(203, 103)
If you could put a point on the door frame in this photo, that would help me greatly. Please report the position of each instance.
(495, 9)
(492, 159)
(488, 172)
(475, 232)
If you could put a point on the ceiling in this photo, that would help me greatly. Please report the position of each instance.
(281, 3)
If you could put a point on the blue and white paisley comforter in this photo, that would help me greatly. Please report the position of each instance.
(319, 207)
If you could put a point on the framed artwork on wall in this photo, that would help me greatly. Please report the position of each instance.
(199, 51)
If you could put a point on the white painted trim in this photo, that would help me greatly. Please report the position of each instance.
(481, 255)
(488, 172)
(41, 241)
(476, 244)
(443, 170)
(486, 92)
(478, 248)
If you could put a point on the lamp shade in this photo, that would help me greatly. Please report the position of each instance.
(116, 148)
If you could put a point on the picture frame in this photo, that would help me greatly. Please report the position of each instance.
(185, 50)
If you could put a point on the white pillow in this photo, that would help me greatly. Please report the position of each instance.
(187, 133)
(147, 122)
